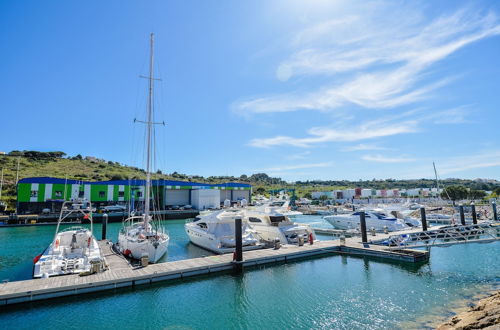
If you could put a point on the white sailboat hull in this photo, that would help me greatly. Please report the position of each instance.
(136, 249)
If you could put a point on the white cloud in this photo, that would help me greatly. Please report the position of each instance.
(384, 159)
(279, 169)
(386, 126)
(300, 155)
(395, 54)
(362, 146)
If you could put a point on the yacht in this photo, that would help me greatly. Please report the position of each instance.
(380, 221)
(215, 231)
(73, 250)
(272, 225)
(142, 238)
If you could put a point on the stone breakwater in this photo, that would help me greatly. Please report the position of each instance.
(485, 314)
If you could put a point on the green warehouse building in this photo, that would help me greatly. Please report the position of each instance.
(36, 194)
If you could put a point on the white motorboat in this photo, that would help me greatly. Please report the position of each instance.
(273, 225)
(215, 231)
(73, 250)
(380, 221)
(141, 237)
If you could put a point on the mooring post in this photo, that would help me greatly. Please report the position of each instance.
(423, 218)
(462, 215)
(494, 206)
(238, 253)
(362, 222)
(104, 225)
(474, 214)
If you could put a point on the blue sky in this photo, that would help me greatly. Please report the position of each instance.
(308, 89)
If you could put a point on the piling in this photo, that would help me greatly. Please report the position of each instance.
(423, 218)
(462, 215)
(104, 226)
(494, 206)
(238, 253)
(474, 214)
(362, 223)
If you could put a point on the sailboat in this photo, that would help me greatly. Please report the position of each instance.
(142, 238)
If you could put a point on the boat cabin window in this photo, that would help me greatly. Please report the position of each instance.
(366, 214)
(202, 225)
(121, 194)
(102, 194)
(34, 193)
(139, 194)
(58, 193)
(277, 219)
(81, 193)
(252, 219)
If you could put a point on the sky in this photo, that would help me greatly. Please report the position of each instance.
(298, 89)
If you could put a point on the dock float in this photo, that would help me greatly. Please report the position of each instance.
(121, 274)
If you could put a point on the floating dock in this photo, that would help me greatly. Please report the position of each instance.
(121, 274)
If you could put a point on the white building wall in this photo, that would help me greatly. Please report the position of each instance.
(202, 199)
(366, 193)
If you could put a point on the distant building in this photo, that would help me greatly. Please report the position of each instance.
(35, 194)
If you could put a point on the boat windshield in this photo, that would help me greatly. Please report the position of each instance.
(383, 216)
(276, 219)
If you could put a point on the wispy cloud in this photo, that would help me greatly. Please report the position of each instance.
(363, 147)
(395, 57)
(385, 126)
(385, 159)
(297, 167)
(300, 155)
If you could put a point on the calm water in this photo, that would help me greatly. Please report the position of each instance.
(330, 292)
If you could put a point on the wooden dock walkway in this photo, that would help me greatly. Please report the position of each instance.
(121, 274)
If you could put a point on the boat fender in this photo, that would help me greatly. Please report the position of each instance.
(88, 241)
(37, 258)
(57, 243)
(311, 240)
(234, 256)
(127, 252)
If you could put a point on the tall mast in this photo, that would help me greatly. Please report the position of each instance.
(150, 124)
(1, 186)
(436, 173)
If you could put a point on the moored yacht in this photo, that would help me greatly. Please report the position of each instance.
(378, 220)
(73, 250)
(272, 225)
(215, 231)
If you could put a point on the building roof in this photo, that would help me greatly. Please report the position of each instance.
(131, 182)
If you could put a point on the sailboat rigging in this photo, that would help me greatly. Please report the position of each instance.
(140, 238)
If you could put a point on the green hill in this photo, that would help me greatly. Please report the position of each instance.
(56, 164)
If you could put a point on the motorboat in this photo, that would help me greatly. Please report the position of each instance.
(142, 237)
(272, 225)
(73, 250)
(378, 220)
(215, 231)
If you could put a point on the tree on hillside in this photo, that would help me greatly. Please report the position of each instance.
(476, 194)
(260, 191)
(455, 193)
(308, 195)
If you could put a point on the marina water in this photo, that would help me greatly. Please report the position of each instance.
(328, 292)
